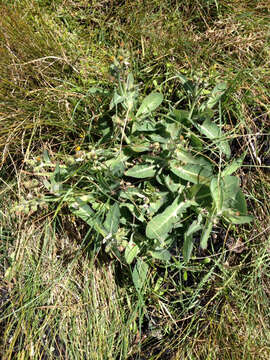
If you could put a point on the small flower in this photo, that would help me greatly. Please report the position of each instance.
(78, 148)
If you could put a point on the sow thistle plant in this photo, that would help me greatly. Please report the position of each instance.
(151, 179)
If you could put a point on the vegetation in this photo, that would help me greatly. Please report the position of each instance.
(134, 180)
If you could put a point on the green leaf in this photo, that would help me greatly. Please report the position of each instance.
(116, 165)
(188, 238)
(171, 182)
(187, 248)
(233, 166)
(156, 204)
(141, 171)
(146, 126)
(213, 132)
(194, 227)
(216, 94)
(196, 174)
(217, 192)
(131, 251)
(163, 223)
(46, 158)
(240, 203)
(188, 85)
(130, 82)
(181, 115)
(111, 222)
(230, 190)
(205, 234)
(139, 274)
(149, 104)
(185, 156)
(188, 158)
(138, 148)
(134, 211)
(116, 99)
(158, 138)
(84, 212)
(237, 219)
(162, 254)
(173, 129)
(233, 198)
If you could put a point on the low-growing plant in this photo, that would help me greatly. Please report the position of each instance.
(149, 179)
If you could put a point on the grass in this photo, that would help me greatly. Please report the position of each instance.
(57, 298)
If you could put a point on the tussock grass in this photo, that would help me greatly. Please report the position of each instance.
(62, 304)
(56, 299)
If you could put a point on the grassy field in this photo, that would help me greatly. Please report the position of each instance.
(66, 291)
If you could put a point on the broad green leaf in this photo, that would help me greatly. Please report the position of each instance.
(131, 251)
(240, 203)
(216, 188)
(188, 158)
(116, 165)
(163, 223)
(238, 219)
(130, 82)
(111, 222)
(213, 132)
(156, 204)
(134, 211)
(158, 138)
(195, 226)
(231, 186)
(146, 126)
(171, 182)
(138, 148)
(83, 211)
(233, 166)
(216, 94)
(188, 85)
(205, 234)
(180, 115)
(162, 254)
(139, 274)
(232, 198)
(173, 129)
(117, 99)
(196, 174)
(185, 156)
(150, 103)
(141, 171)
